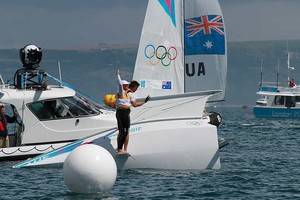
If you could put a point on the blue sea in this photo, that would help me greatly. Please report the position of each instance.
(260, 162)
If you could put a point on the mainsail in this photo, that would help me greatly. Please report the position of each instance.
(182, 48)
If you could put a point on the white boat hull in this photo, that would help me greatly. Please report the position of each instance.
(30, 151)
(179, 146)
(173, 144)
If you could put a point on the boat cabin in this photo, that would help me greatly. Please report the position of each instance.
(48, 111)
(279, 97)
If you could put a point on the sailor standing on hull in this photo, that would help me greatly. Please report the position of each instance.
(123, 104)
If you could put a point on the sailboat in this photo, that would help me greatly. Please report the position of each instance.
(181, 63)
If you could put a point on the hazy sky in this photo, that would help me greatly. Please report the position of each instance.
(76, 23)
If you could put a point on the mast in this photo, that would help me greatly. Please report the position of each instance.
(183, 27)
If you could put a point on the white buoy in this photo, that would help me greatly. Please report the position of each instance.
(90, 169)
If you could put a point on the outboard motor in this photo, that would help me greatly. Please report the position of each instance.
(215, 119)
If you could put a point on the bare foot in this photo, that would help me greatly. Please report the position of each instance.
(121, 151)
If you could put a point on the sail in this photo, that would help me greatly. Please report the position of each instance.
(159, 64)
(182, 48)
(205, 47)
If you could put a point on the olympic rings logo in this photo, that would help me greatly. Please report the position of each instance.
(194, 123)
(160, 54)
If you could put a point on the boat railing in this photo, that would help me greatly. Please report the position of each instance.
(272, 86)
(278, 87)
(2, 83)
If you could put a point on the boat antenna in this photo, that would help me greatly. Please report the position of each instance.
(59, 72)
(261, 73)
(1, 79)
(289, 66)
(278, 72)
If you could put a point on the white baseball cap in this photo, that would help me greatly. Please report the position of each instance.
(124, 82)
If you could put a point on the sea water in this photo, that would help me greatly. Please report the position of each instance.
(260, 162)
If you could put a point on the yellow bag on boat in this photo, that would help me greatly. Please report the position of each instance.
(110, 100)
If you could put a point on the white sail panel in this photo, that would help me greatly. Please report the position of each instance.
(159, 65)
(205, 47)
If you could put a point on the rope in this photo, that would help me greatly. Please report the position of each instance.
(22, 151)
(69, 86)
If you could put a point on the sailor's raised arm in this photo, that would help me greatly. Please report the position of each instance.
(120, 90)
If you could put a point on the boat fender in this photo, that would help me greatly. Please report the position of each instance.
(110, 100)
(215, 119)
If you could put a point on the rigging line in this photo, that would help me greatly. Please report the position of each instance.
(166, 109)
(167, 103)
(172, 107)
(66, 84)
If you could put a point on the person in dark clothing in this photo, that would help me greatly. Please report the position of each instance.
(124, 102)
(4, 119)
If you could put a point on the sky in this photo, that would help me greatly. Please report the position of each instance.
(80, 23)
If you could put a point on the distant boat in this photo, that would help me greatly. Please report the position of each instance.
(244, 107)
(181, 63)
(278, 100)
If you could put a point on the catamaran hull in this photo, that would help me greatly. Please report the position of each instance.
(269, 112)
(173, 144)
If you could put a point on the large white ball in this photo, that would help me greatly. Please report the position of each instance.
(90, 169)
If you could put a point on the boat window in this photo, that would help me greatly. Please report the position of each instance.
(279, 100)
(297, 99)
(78, 107)
(44, 110)
(63, 108)
(290, 101)
(92, 104)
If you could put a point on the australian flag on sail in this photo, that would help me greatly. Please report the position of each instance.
(204, 35)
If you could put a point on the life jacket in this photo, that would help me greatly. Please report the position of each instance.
(111, 99)
(123, 101)
(3, 125)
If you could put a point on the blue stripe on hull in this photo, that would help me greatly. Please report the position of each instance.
(267, 112)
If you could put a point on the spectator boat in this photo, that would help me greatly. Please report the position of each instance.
(41, 128)
(278, 100)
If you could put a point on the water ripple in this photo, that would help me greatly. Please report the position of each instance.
(260, 162)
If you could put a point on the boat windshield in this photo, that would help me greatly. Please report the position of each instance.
(66, 107)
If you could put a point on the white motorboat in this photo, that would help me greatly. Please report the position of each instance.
(41, 128)
(182, 65)
(278, 100)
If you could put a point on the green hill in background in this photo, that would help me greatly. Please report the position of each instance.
(93, 71)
